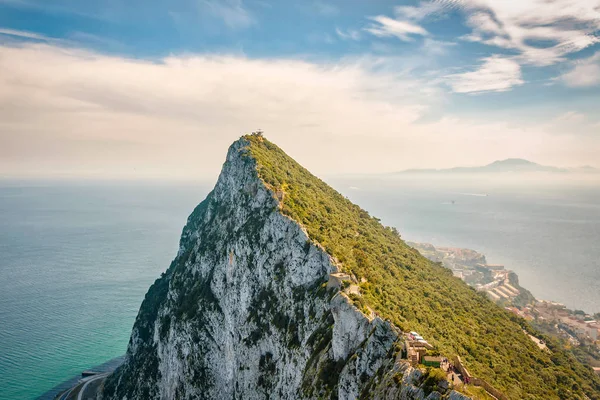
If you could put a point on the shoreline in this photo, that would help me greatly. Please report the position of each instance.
(580, 331)
(106, 367)
(466, 264)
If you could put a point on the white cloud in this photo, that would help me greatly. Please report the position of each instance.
(495, 74)
(543, 32)
(405, 24)
(57, 104)
(389, 27)
(71, 111)
(536, 32)
(585, 73)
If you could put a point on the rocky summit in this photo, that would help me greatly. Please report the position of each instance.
(283, 289)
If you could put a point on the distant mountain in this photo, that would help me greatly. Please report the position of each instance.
(510, 165)
(518, 165)
(586, 169)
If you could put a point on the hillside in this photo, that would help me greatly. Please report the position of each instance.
(250, 308)
(415, 294)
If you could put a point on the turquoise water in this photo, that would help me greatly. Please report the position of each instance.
(77, 259)
(75, 263)
(545, 228)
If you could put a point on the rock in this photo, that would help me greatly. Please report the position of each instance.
(245, 312)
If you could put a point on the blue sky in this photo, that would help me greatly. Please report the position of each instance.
(391, 84)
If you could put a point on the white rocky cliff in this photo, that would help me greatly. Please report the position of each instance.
(244, 312)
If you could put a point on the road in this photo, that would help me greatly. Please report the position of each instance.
(85, 382)
(92, 379)
(66, 394)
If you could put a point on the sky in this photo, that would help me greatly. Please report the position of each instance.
(159, 89)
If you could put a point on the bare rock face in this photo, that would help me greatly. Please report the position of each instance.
(244, 312)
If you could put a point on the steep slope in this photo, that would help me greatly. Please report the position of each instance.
(415, 294)
(244, 310)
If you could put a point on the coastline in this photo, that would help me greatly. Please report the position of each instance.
(499, 283)
(106, 367)
(578, 330)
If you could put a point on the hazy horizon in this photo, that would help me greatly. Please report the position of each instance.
(573, 174)
(102, 90)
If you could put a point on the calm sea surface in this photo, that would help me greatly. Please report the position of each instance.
(545, 228)
(77, 259)
(75, 263)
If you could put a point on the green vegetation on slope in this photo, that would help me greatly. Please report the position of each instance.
(416, 294)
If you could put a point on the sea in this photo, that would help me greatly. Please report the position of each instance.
(76, 258)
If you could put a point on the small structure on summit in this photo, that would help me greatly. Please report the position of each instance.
(258, 133)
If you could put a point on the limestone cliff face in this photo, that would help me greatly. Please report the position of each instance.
(243, 312)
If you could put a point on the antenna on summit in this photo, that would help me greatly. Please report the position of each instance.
(258, 132)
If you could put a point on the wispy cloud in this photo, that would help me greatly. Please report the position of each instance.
(321, 37)
(232, 12)
(436, 47)
(584, 73)
(569, 117)
(573, 123)
(423, 10)
(406, 22)
(75, 38)
(26, 35)
(495, 74)
(388, 27)
(542, 32)
(350, 34)
(325, 9)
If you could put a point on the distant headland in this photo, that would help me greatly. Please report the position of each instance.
(509, 165)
